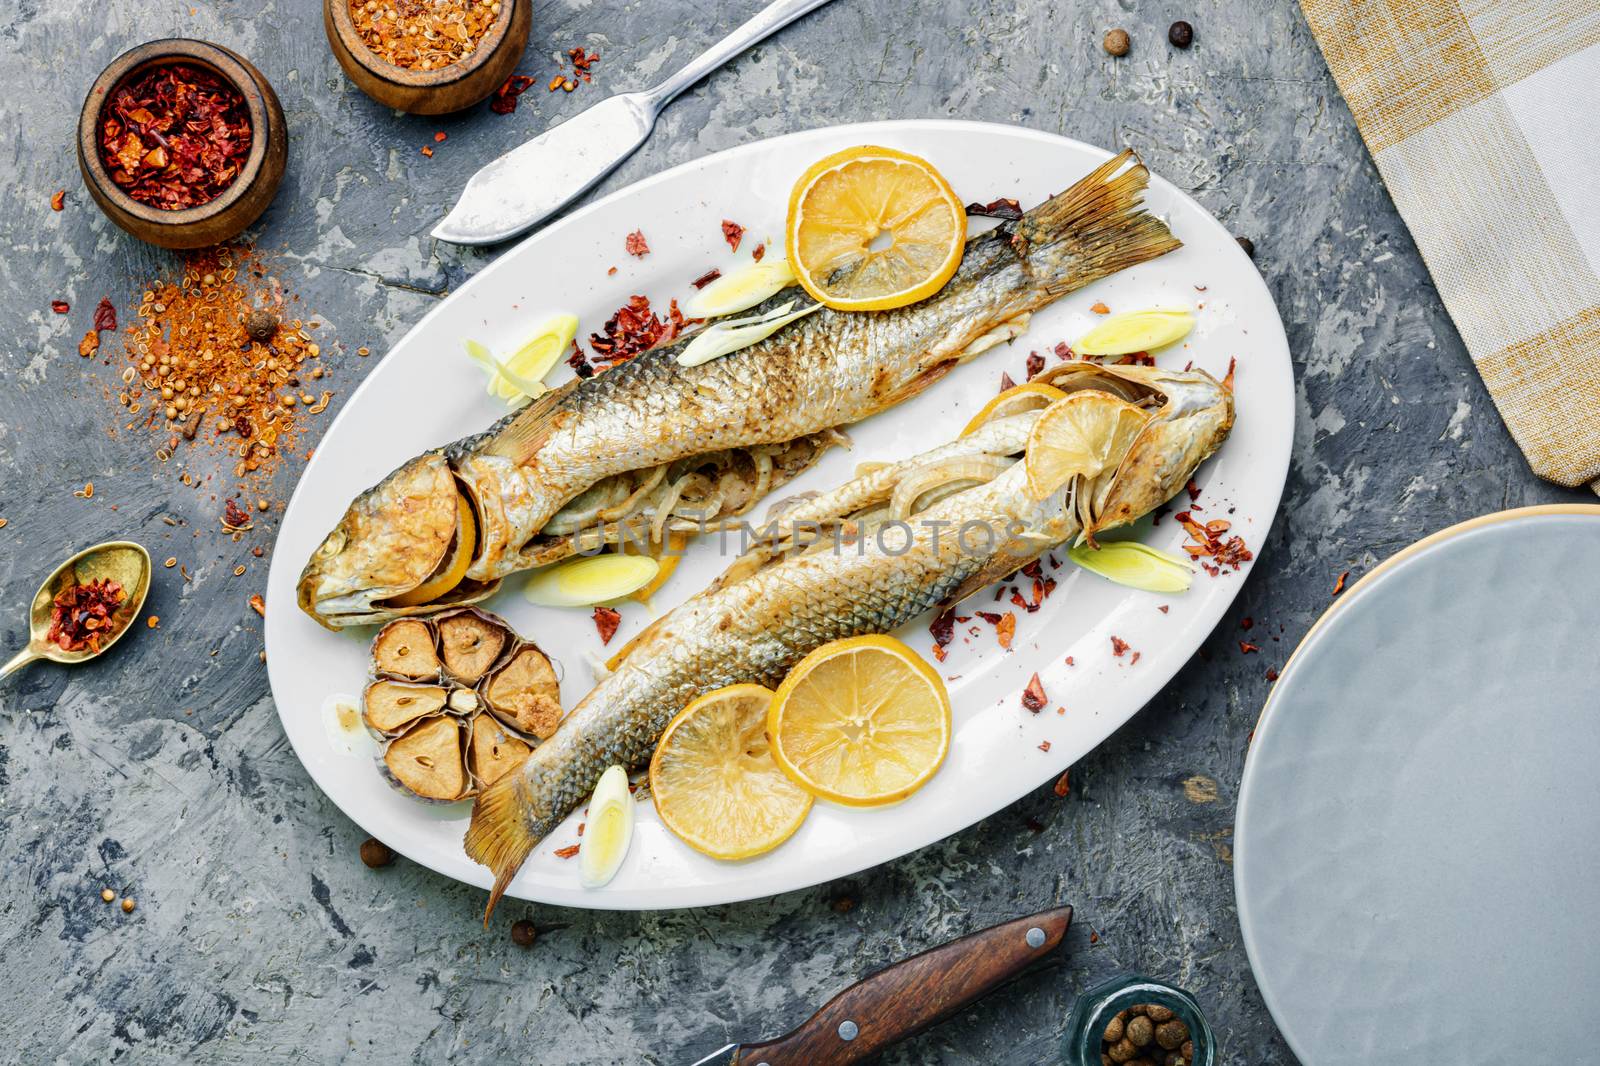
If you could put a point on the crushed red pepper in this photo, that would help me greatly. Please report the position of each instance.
(1064, 784)
(635, 328)
(606, 620)
(567, 852)
(733, 233)
(81, 614)
(1005, 382)
(175, 136)
(1209, 543)
(1245, 647)
(59, 200)
(635, 245)
(1035, 365)
(707, 278)
(504, 100)
(1033, 697)
(1004, 208)
(1119, 647)
(105, 315)
(60, 307)
(759, 252)
(1338, 586)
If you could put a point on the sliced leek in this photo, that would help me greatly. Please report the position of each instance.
(1137, 331)
(589, 581)
(519, 377)
(741, 289)
(608, 829)
(727, 337)
(1135, 565)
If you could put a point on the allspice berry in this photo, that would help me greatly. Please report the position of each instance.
(376, 853)
(1141, 1030)
(1181, 34)
(1117, 42)
(1171, 1034)
(1122, 1051)
(1114, 1030)
(261, 325)
(523, 933)
(1158, 1014)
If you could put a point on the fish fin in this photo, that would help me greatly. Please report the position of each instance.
(1100, 223)
(527, 430)
(499, 837)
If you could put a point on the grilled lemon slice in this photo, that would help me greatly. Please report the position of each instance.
(1014, 401)
(1082, 434)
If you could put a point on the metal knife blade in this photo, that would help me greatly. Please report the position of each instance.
(531, 182)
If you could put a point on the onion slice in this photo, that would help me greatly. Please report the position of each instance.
(1135, 565)
(727, 337)
(607, 831)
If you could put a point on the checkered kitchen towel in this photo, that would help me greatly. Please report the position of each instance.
(1484, 119)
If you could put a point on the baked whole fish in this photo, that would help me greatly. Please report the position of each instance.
(651, 448)
(886, 547)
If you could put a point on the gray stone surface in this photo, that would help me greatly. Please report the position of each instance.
(163, 772)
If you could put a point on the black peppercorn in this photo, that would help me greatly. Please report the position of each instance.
(523, 933)
(261, 325)
(376, 853)
(1181, 34)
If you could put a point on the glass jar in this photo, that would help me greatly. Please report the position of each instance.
(1086, 1023)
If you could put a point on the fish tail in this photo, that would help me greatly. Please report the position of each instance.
(500, 837)
(1099, 225)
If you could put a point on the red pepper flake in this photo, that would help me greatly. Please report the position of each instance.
(1227, 381)
(733, 233)
(1063, 352)
(1338, 586)
(567, 852)
(635, 245)
(1272, 673)
(89, 345)
(1208, 543)
(440, 137)
(1035, 364)
(505, 98)
(606, 620)
(943, 628)
(1192, 489)
(80, 615)
(759, 253)
(1119, 647)
(1005, 208)
(233, 515)
(1006, 629)
(707, 278)
(1033, 697)
(60, 307)
(257, 604)
(1099, 308)
(611, 272)
(634, 328)
(175, 136)
(579, 364)
(1163, 608)
(105, 315)
(59, 200)
(1134, 661)
(427, 150)
(1069, 661)
(1247, 622)
(939, 653)
(1044, 745)
(1064, 784)
(1006, 382)
(1136, 359)
(1245, 647)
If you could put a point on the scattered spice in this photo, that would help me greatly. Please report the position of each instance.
(61, 307)
(567, 852)
(59, 200)
(943, 628)
(1117, 42)
(707, 278)
(4, 522)
(1004, 208)
(606, 620)
(634, 328)
(1181, 34)
(153, 621)
(1209, 543)
(1033, 697)
(257, 604)
(1006, 629)
(1099, 308)
(1119, 647)
(1149, 1033)
(1064, 784)
(635, 245)
(105, 315)
(733, 233)
(580, 365)
(423, 36)
(759, 252)
(440, 137)
(504, 100)
(427, 150)
(523, 933)
(107, 895)
(81, 615)
(89, 345)
(1245, 647)
(375, 853)
(1338, 586)
(1035, 364)
(175, 136)
(234, 517)
(1044, 745)
(1006, 384)
(128, 905)
(261, 325)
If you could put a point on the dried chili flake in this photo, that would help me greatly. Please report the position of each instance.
(1245, 647)
(635, 245)
(635, 328)
(989, 616)
(943, 628)
(175, 136)
(440, 137)
(1099, 308)
(1006, 629)
(427, 150)
(234, 516)
(1338, 586)
(1063, 784)
(504, 100)
(759, 252)
(60, 307)
(1033, 697)
(1247, 622)
(1272, 673)
(1063, 351)
(89, 345)
(1044, 745)
(1119, 647)
(606, 620)
(1136, 359)
(1069, 661)
(579, 364)
(1004, 208)
(1133, 661)
(567, 852)
(733, 233)
(1227, 380)
(1006, 382)
(59, 200)
(1035, 365)
(1192, 489)
(707, 278)
(81, 614)
(1208, 543)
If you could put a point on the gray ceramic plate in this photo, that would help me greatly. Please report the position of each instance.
(1417, 859)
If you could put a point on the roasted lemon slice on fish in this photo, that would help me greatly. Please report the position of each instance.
(715, 783)
(1014, 401)
(453, 569)
(873, 228)
(1085, 433)
(863, 722)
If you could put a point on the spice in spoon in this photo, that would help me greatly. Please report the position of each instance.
(83, 615)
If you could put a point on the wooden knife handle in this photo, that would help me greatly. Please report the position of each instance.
(913, 994)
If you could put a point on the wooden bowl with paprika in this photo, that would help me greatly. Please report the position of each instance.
(428, 59)
(182, 143)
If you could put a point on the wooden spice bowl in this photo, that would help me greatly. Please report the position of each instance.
(242, 202)
(431, 92)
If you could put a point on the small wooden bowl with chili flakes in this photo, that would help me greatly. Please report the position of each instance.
(428, 58)
(182, 143)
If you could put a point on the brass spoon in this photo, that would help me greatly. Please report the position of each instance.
(122, 561)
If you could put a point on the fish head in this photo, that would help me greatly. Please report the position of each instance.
(1191, 415)
(411, 533)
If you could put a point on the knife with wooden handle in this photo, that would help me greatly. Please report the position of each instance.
(907, 997)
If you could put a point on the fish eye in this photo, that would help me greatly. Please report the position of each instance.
(333, 545)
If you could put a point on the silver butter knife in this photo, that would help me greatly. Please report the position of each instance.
(531, 182)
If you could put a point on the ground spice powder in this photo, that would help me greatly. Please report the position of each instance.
(423, 34)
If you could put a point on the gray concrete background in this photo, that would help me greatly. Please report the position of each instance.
(163, 772)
